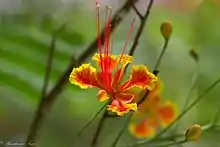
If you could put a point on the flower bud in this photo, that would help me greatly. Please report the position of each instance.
(166, 30)
(193, 133)
(194, 54)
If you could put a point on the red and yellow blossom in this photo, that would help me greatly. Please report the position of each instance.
(108, 77)
(152, 114)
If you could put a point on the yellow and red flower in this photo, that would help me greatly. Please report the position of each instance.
(108, 78)
(152, 114)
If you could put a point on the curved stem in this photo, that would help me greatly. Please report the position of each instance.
(173, 143)
(192, 88)
(90, 121)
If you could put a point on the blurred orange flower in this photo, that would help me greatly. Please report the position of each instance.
(108, 78)
(153, 113)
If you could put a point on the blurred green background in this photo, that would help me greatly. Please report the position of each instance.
(26, 28)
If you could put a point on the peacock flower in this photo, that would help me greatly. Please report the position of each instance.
(110, 72)
(153, 113)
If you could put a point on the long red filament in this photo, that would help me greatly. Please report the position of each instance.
(123, 51)
(98, 33)
(107, 46)
(127, 39)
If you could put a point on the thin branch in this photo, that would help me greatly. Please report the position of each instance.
(173, 143)
(158, 62)
(89, 122)
(99, 128)
(177, 145)
(198, 99)
(141, 27)
(122, 130)
(50, 98)
(48, 67)
(217, 116)
(138, 12)
(35, 123)
(193, 84)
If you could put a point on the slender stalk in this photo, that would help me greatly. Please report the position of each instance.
(161, 55)
(217, 116)
(36, 124)
(122, 130)
(173, 143)
(191, 89)
(89, 122)
(99, 128)
(155, 71)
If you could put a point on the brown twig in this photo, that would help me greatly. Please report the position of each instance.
(131, 52)
(48, 100)
(33, 132)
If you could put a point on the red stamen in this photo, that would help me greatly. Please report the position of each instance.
(108, 38)
(107, 46)
(114, 33)
(128, 38)
(123, 51)
(98, 33)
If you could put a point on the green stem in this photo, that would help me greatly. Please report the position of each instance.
(192, 88)
(89, 122)
(161, 55)
(173, 143)
(216, 118)
(155, 71)
(121, 131)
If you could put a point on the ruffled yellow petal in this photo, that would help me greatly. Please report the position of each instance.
(84, 76)
(167, 113)
(102, 95)
(125, 59)
(121, 108)
(140, 77)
